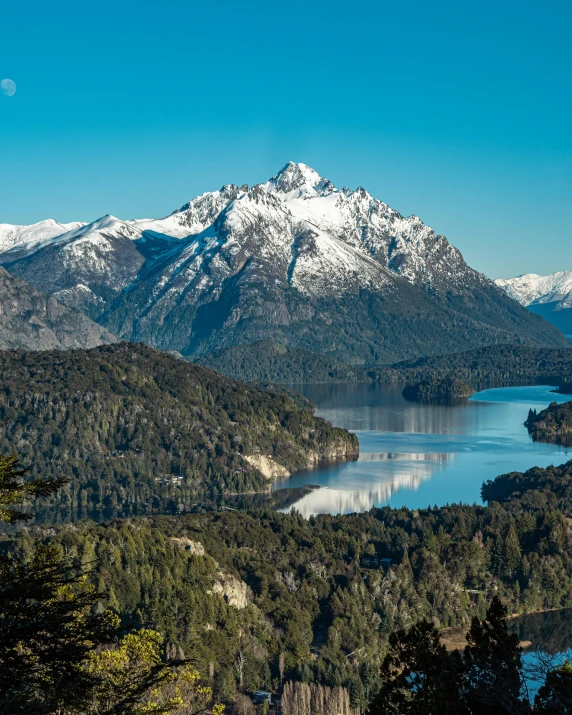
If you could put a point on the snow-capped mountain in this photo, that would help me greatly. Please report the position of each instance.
(31, 237)
(294, 260)
(549, 296)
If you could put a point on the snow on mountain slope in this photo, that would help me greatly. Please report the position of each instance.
(293, 259)
(404, 245)
(320, 216)
(34, 235)
(86, 267)
(547, 296)
(532, 288)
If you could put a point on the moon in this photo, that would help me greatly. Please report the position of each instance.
(8, 87)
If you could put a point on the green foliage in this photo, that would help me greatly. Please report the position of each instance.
(555, 696)
(419, 677)
(55, 636)
(554, 424)
(313, 613)
(131, 677)
(268, 361)
(439, 391)
(493, 665)
(139, 431)
(48, 627)
(537, 489)
(15, 490)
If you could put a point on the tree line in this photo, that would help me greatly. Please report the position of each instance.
(313, 612)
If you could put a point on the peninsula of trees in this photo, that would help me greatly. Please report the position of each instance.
(137, 431)
(553, 424)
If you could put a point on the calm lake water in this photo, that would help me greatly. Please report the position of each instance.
(418, 455)
(550, 635)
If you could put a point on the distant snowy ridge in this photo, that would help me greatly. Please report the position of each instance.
(532, 288)
(548, 296)
(34, 235)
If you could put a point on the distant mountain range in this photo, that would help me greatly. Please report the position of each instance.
(293, 260)
(548, 296)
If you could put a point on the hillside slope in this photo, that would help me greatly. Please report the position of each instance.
(32, 320)
(136, 430)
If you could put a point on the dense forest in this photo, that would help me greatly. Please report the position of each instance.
(135, 430)
(553, 424)
(267, 361)
(440, 391)
(493, 365)
(259, 598)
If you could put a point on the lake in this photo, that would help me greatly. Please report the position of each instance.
(417, 455)
(550, 637)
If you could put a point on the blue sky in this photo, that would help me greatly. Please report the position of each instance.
(458, 112)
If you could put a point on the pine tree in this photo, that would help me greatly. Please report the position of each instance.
(14, 489)
(493, 665)
(512, 552)
(60, 653)
(418, 676)
(555, 696)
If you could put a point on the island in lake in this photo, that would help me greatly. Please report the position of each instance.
(554, 424)
(564, 389)
(438, 391)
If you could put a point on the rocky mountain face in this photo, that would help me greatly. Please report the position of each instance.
(548, 296)
(31, 320)
(294, 260)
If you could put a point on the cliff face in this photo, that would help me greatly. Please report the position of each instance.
(31, 320)
(340, 446)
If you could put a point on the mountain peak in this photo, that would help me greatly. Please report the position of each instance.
(298, 179)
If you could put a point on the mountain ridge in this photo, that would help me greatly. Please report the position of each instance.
(293, 260)
(548, 296)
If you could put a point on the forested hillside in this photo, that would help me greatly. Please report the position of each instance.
(136, 430)
(439, 391)
(267, 361)
(496, 364)
(263, 597)
(500, 364)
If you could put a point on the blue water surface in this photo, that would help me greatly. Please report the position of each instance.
(418, 455)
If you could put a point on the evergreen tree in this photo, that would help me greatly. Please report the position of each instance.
(58, 650)
(555, 696)
(15, 490)
(419, 677)
(48, 627)
(493, 665)
(512, 552)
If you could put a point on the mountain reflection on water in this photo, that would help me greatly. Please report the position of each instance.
(417, 455)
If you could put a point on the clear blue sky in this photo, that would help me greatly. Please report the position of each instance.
(458, 112)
